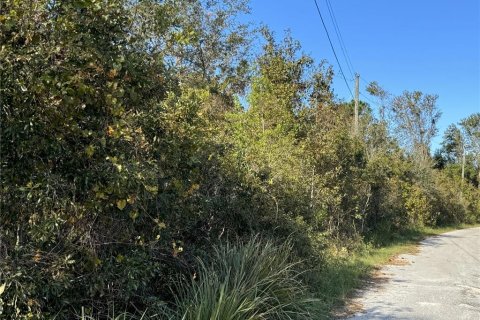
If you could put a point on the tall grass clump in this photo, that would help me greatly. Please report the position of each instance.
(112, 315)
(253, 280)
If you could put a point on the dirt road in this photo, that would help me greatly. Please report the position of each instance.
(442, 281)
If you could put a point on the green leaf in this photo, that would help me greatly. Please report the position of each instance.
(90, 150)
(151, 189)
(2, 288)
(121, 204)
(133, 214)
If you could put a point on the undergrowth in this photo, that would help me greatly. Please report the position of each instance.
(255, 280)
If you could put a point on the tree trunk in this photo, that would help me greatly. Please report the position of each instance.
(478, 179)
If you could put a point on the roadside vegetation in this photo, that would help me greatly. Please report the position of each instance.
(343, 274)
(160, 159)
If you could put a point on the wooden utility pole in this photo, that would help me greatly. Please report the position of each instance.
(355, 124)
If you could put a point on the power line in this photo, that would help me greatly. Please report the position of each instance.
(368, 84)
(370, 100)
(333, 49)
(340, 38)
(345, 51)
(377, 104)
(365, 81)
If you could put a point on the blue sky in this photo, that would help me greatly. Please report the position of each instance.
(427, 45)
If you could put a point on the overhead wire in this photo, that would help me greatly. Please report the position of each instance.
(365, 96)
(333, 49)
(344, 50)
(340, 39)
(370, 100)
(365, 81)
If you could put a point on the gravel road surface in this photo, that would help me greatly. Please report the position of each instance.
(442, 281)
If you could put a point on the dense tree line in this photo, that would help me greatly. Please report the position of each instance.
(137, 135)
